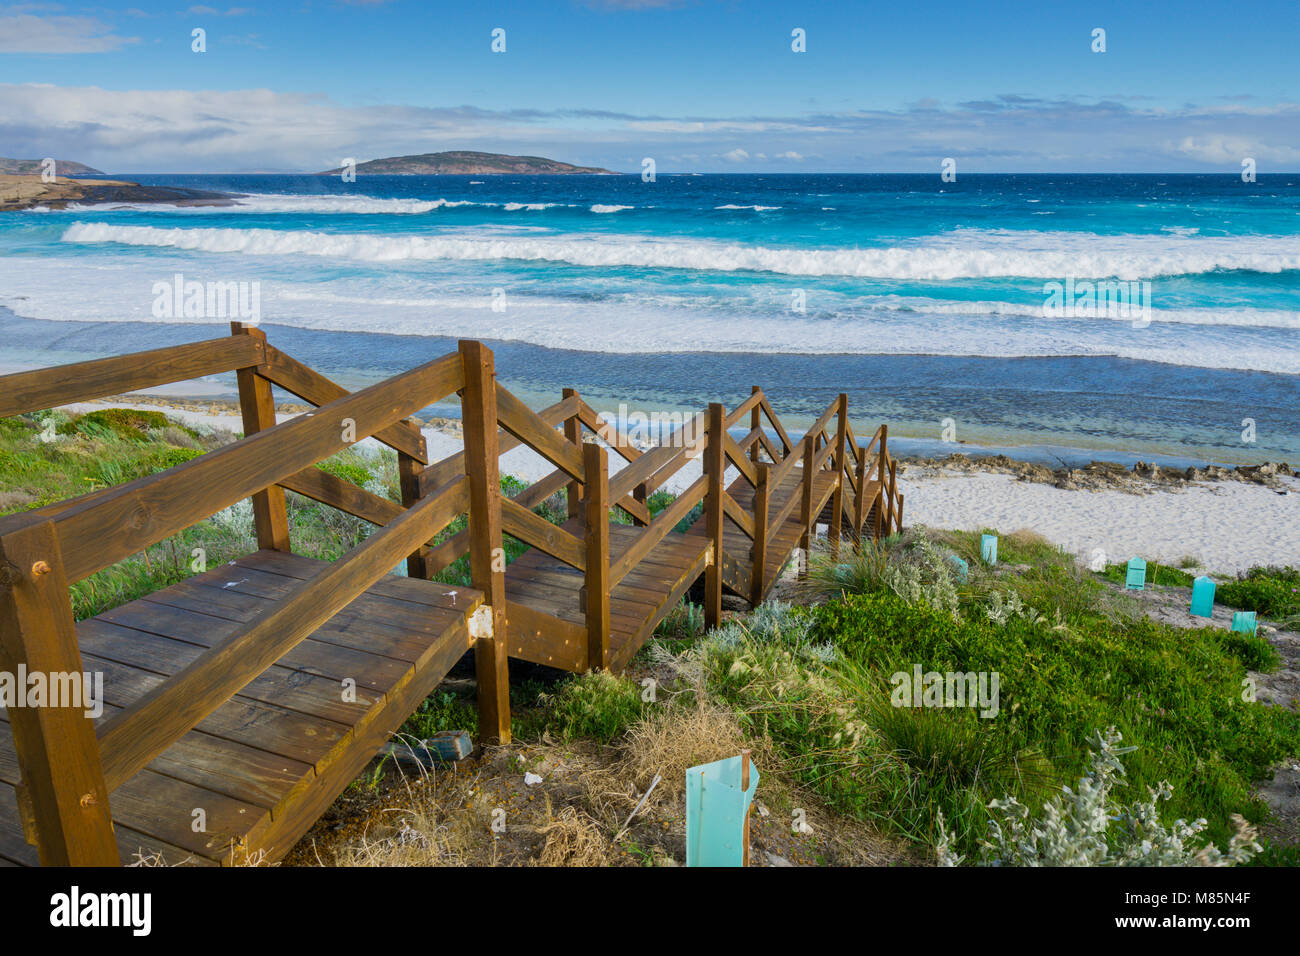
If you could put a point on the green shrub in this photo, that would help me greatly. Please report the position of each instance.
(1083, 826)
(128, 424)
(1271, 591)
(596, 704)
(1175, 693)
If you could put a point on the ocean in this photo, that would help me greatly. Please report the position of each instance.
(937, 306)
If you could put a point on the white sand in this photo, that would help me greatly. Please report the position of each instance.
(1226, 526)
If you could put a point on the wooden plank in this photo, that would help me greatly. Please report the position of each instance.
(655, 467)
(545, 639)
(518, 419)
(441, 472)
(285, 830)
(715, 464)
(62, 779)
(658, 529)
(257, 407)
(81, 381)
(737, 456)
(149, 509)
(737, 514)
(536, 531)
(597, 582)
(759, 535)
(319, 485)
(487, 557)
(786, 444)
(309, 385)
(128, 741)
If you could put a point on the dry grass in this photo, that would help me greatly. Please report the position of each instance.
(574, 838)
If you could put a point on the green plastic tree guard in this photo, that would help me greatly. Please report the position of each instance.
(989, 548)
(1244, 621)
(960, 566)
(1203, 597)
(716, 808)
(1137, 575)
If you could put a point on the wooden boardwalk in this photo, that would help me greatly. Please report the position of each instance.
(238, 703)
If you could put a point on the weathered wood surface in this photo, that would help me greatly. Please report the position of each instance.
(257, 762)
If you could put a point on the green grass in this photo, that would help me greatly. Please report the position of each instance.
(1072, 657)
(1158, 574)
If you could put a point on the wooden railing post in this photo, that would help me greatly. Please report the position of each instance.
(884, 512)
(806, 515)
(257, 407)
(573, 434)
(894, 499)
(408, 472)
(837, 499)
(63, 793)
(487, 556)
(758, 579)
(860, 502)
(756, 421)
(715, 466)
(595, 462)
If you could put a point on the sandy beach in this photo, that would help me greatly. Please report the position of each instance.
(1225, 526)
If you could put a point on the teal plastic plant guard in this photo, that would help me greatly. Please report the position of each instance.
(1137, 575)
(1203, 597)
(960, 566)
(716, 808)
(1244, 621)
(989, 548)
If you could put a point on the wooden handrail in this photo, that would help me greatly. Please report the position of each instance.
(291, 375)
(657, 530)
(130, 739)
(656, 465)
(441, 472)
(81, 381)
(519, 420)
(534, 530)
(141, 512)
(786, 443)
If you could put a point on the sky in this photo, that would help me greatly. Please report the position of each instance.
(697, 85)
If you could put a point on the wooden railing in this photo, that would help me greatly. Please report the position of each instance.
(69, 765)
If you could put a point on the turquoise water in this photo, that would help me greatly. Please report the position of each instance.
(924, 300)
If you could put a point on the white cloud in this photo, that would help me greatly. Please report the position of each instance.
(736, 155)
(27, 33)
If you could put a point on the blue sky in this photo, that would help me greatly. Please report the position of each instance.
(700, 86)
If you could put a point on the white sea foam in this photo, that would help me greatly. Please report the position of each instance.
(599, 207)
(116, 285)
(963, 253)
(755, 208)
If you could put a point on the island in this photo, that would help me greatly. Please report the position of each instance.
(469, 163)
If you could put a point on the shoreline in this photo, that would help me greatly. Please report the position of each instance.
(1141, 477)
(1224, 520)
